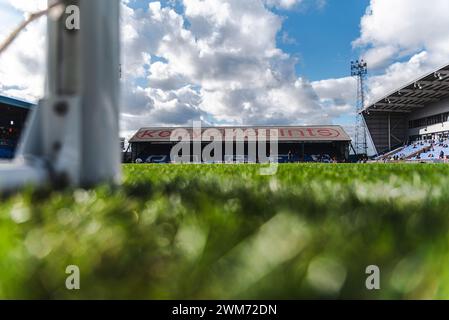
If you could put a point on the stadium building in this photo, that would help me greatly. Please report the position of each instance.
(13, 115)
(412, 121)
(305, 144)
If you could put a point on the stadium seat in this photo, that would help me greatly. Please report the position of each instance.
(435, 152)
(409, 150)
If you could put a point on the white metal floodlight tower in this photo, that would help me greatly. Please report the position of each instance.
(72, 137)
(359, 70)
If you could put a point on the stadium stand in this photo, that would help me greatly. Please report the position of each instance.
(420, 151)
(418, 111)
(13, 114)
(325, 144)
(438, 151)
(408, 152)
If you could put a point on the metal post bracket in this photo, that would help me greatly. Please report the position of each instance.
(61, 130)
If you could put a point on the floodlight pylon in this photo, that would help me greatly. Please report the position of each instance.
(359, 70)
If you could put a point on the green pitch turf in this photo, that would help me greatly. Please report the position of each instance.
(207, 232)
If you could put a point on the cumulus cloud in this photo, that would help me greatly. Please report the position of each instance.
(28, 6)
(401, 40)
(336, 91)
(291, 4)
(414, 32)
(21, 66)
(217, 61)
(8, 17)
(404, 26)
(284, 4)
(399, 74)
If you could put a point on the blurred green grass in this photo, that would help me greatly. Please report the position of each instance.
(224, 231)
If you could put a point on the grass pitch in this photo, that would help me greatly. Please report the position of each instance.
(224, 231)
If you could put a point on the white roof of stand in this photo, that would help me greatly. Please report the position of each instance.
(430, 88)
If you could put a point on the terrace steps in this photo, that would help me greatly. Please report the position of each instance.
(391, 153)
(417, 153)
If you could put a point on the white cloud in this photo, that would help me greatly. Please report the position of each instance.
(405, 24)
(224, 55)
(218, 62)
(397, 75)
(337, 91)
(395, 28)
(27, 5)
(9, 17)
(401, 40)
(413, 32)
(21, 66)
(380, 57)
(284, 4)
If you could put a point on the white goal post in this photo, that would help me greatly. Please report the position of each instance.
(72, 137)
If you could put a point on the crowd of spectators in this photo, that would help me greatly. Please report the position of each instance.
(438, 150)
(421, 150)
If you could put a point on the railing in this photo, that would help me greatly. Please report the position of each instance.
(417, 153)
(390, 153)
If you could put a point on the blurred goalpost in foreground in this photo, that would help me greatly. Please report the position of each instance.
(72, 137)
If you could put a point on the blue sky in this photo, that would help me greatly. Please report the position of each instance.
(247, 62)
(322, 37)
(318, 33)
